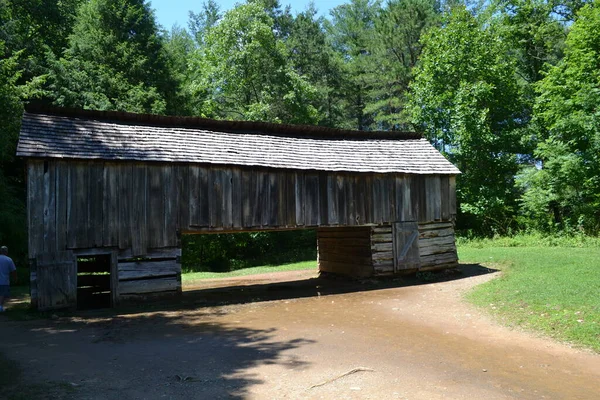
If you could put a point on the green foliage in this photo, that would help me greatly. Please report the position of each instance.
(466, 99)
(563, 189)
(114, 61)
(226, 252)
(243, 72)
(352, 30)
(396, 48)
(553, 290)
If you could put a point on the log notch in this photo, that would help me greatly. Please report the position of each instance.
(437, 246)
(345, 251)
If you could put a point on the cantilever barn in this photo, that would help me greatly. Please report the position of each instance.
(110, 194)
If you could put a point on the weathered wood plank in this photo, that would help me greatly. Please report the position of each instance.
(290, 198)
(78, 222)
(35, 206)
(236, 198)
(281, 199)
(62, 181)
(95, 203)
(183, 198)
(148, 285)
(110, 205)
(349, 192)
(381, 237)
(199, 196)
(386, 246)
(383, 255)
(369, 201)
(261, 197)
(439, 259)
(125, 183)
(215, 197)
(452, 200)
(427, 251)
(156, 206)
(248, 197)
(171, 210)
(378, 199)
(324, 198)
(382, 229)
(49, 201)
(273, 209)
(435, 226)
(312, 212)
(300, 199)
(147, 269)
(139, 204)
(436, 233)
(445, 197)
(360, 196)
(340, 198)
(227, 199)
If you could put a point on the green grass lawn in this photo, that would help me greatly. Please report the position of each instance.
(264, 269)
(555, 290)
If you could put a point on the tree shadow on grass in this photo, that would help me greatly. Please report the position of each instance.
(148, 355)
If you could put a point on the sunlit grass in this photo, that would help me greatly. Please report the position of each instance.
(555, 290)
(264, 269)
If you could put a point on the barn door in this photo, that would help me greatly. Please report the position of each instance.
(406, 245)
(56, 278)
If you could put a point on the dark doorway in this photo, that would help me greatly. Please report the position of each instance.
(93, 282)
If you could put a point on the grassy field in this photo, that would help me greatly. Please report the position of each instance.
(196, 276)
(551, 289)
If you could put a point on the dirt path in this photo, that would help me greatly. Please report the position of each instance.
(407, 342)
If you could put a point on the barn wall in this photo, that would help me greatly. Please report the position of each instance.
(345, 251)
(140, 208)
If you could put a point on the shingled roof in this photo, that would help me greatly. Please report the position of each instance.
(70, 134)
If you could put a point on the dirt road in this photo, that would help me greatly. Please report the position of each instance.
(419, 341)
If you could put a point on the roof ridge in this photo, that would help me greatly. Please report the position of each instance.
(242, 127)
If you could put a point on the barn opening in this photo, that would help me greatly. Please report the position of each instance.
(226, 252)
(94, 281)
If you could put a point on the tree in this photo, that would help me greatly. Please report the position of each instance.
(199, 23)
(115, 60)
(563, 190)
(12, 204)
(243, 72)
(395, 50)
(466, 99)
(312, 57)
(352, 30)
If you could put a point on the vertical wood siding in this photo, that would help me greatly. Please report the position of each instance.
(144, 206)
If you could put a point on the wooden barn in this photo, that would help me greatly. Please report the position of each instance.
(110, 194)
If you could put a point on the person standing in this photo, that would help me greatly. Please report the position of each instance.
(7, 270)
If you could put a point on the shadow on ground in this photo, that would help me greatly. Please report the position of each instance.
(318, 286)
(182, 348)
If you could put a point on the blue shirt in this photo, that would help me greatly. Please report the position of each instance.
(6, 267)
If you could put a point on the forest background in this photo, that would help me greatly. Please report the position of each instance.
(508, 90)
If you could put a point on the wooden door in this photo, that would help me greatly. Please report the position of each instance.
(405, 236)
(56, 280)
